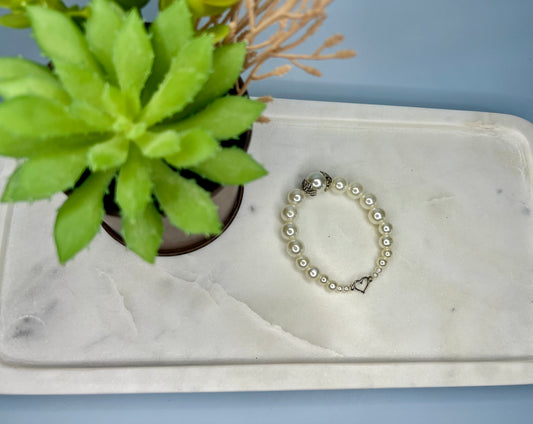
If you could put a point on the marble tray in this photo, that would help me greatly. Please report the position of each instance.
(454, 306)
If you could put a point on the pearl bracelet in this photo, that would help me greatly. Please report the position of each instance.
(317, 182)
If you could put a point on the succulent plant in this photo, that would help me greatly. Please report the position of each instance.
(130, 105)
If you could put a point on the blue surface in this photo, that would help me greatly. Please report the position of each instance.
(435, 406)
(455, 54)
(459, 54)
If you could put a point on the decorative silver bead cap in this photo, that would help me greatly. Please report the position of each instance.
(315, 182)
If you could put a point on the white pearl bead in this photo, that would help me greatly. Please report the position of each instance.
(302, 262)
(339, 288)
(381, 262)
(386, 253)
(346, 289)
(313, 272)
(354, 191)
(295, 196)
(375, 275)
(295, 248)
(289, 212)
(368, 201)
(289, 230)
(317, 180)
(332, 285)
(385, 241)
(385, 228)
(323, 278)
(376, 216)
(339, 185)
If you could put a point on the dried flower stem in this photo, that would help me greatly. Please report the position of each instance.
(296, 21)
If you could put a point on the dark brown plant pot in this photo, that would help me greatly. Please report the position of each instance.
(175, 242)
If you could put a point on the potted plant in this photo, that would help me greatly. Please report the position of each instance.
(131, 109)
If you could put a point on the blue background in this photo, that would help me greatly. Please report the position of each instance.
(457, 54)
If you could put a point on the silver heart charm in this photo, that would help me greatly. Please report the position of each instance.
(361, 284)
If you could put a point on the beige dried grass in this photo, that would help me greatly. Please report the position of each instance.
(296, 21)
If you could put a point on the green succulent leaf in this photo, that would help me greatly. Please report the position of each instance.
(143, 234)
(109, 154)
(15, 20)
(171, 30)
(219, 32)
(20, 146)
(129, 4)
(78, 220)
(15, 67)
(52, 4)
(32, 86)
(102, 26)
(59, 38)
(48, 118)
(188, 206)
(115, 102)
(42, 176)
(157, 145)
(91, 115)
(134, 184)
(132, 65)
(197, 145)
(220, 3)
(231, 166)
(21, 77)
(225, 118)
(228, 61)
(209, 8)
(81, 83)
(187, 74)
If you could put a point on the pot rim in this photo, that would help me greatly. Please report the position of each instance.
(194, 246)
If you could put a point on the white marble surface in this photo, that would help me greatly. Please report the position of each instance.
(454, 307)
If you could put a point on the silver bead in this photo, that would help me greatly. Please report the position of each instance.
(375, 275)
(295, 196)
(302, 262)
(386, 253)
(289, 230)
(385, 241)
(339, 185)
(295, 248)
(354, 191)
(339, 288)
(317, 180)
(289, 212)
(323, 278)
(312, 272)
(346, 289)
(385, 228)
(376, 216)
(332, 285)
(381, 262)
(368, 201)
